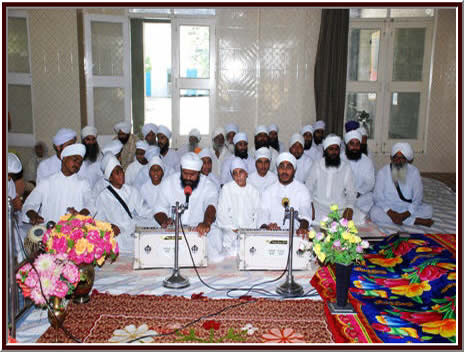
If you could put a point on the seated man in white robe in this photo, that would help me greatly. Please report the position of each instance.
(310, 147)
(331, 182)
(149, 131)
(201, 211)
(274, 142)
(143, 174)
(238, 207)
(286, 190)
(51, 165)
(240, 151)
(194, 138)
(262, 178)
(220, 151)
(262, 141)
(363, 171)
(206, 157)
(231, 129)
(14, 168)
(398, 192)
(113, 148)
(61, 193)
(151, 189)
(168, 155)
(140, 160)
(303, 162)
(120, 205)
(91, 166)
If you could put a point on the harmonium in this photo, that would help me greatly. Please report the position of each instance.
(262, 249)
(154, 248)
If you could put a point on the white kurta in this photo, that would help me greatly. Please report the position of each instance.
(131, 172)
(56, 193)
(100, 185)
(237, 208)
(364, 180)
(314, 152)
(110, 209)
(151, 194)
(11, 189)
(48, 167)
(330, 186)
(386, 197)
(303, 167)
(272, 210)
(217, 162)
(225, 173)
(215, 180)
(91, 171)
(262, 183)
(171, 159)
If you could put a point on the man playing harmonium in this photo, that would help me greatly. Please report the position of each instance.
(287, 191)
(201, 211)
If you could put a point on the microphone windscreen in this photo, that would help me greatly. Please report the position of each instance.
(188, 190)
(285, 202)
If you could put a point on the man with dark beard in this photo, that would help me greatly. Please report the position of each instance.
(201, 211)
(262, 141)
(303, 162)
(220, 152)
(149, 131)
(310, 149)
(398, 192)
(274, 138)
(363, 171)
(241, 151)
(91, 166)
(128, 140)
(168, 155)
(331, 182)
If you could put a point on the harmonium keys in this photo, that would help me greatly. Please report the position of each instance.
(262, 249)
(154, 248)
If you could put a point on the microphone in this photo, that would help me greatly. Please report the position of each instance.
(188, 193)
(285, 202)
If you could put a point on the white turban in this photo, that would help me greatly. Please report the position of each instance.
(261, 129)
(296, 137)
(405, 149)
(205, 153)
(218, 131)
(149, 127)
(14, 165)
(151, 151)
(165, 131)
(307, 128)
(156, 160)
(231, 127)
(114, 147)
(88, 131)
(124, 126)
(110, 165)
(194, 132)
(141, 145)
(362, 131)
(63, 135)
(241, 136)
(104, 161)
(238, 163)
(191, 161)
(73, 149)
(330, 140)
(273, 127)
(319, 125)
(263, 152)
(353, 134)
(286, 156)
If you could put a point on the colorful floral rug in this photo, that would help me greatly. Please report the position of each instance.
(163, 319)
(404, 292)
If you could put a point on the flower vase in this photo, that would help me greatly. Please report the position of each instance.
(56, 317)
(342, 283)
(87, 274)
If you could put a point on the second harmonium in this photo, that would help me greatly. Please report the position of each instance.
(268, 250)
(154, 248)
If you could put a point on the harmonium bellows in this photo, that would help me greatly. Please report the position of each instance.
(154, 248)
(262, 249)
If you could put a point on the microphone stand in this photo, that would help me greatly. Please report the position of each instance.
(290, 288)
(176, 280)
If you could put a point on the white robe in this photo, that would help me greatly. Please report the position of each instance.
(364, 180)
(110, 209)
(151, 194)
(330, 186)
(100, 185)
(386, 197)
(314, 152)
(91, 171)
(56, 193)
(272, 210)
(215, 180)
(11, 189)
(131, 172)
(226, 175)
(217, 162)
(262, 183)
(303, 168)
(171, 159)
(237, 208)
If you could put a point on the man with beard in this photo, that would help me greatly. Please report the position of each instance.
(91, 166)
(149, 131)
(331, 182)
(193, 143)
(274, 138)
(303, 162)
(220, 152)
(51, 165)
(398, 192)
(241, 151)
(137, 164)
(201, 211)
(310, 149)
(262, 140)
(128, 140)
(318, 135)
(272, 211)
(168, 155)
(62, 192)
(363, 171)
(206, 157)
(262, 178)
(231, 130)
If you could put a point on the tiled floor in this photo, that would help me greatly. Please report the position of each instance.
(447, 178)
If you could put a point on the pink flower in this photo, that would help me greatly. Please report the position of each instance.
(286, 335)
(66, 229)
(76, 234)
(61, 289)
(337, 244)
(71, 273)
(31, 280)
(319, 236)
(93, 236)
(60, 244)
(359, 249)
(76, 223)
(45, 263)
(89, 221)
(88, 258)
(344, 222)
(116, 249)
(99, 251)
(37, 297)
(333, 227)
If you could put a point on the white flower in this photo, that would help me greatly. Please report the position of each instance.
(130, 332)
(250, 329)
(364, 244)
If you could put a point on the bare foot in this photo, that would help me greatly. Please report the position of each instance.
(423, 222)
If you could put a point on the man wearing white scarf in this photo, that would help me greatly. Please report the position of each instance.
(262, 178)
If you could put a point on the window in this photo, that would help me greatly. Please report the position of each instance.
(389, 60)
